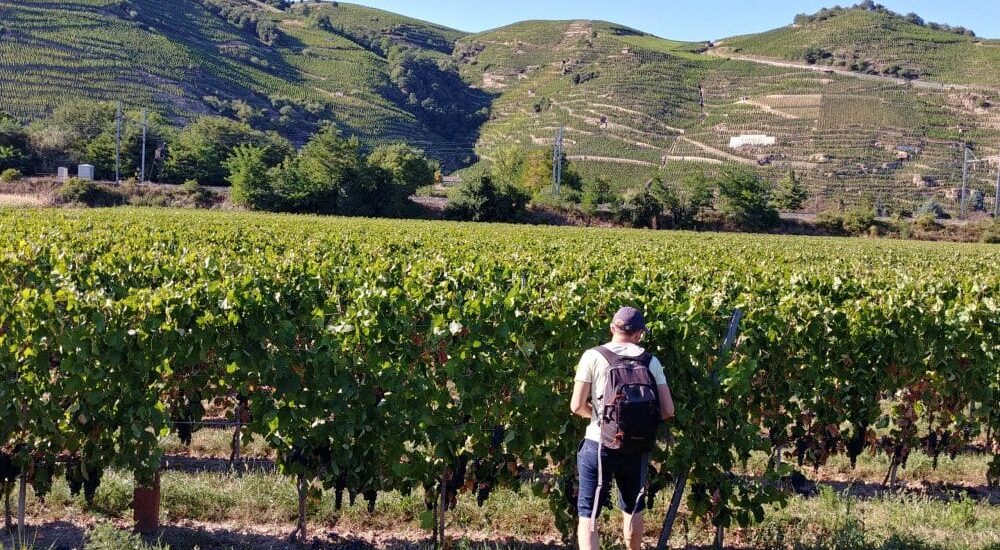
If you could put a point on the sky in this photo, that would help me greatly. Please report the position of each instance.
(679, 19)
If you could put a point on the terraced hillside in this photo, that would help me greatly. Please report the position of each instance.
(633, 105)
(186, 57)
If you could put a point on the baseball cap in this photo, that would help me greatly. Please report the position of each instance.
(629, 320)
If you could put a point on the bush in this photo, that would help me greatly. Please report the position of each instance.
(830, 221)
(926, 222)
(638, 208)
(991, 234)
(10, 175)
(483, 201)
(933, 208)
(88, 193)
(746, 199)
(859, 219)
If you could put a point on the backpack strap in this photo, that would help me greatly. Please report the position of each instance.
(609, 356)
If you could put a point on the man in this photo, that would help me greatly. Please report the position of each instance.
(598, 465)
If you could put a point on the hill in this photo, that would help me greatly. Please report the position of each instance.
(879, 42)
(289, 73)
(634, 106)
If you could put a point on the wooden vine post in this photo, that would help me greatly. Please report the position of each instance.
(675, 500)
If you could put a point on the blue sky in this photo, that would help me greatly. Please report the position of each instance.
(679, 19)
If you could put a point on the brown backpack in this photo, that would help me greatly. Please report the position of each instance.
(631, 415)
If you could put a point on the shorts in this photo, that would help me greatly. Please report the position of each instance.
(628, 470)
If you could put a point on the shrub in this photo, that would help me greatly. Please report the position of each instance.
(830, 221)
(638, 208)
(483, 201)
(88, 193)
(859, 219)
(933, 208)
(991, 234)
(10, 175)
(926, 222)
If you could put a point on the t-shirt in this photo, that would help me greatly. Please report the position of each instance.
(593, 369)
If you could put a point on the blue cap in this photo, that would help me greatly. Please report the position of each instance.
(629, 320)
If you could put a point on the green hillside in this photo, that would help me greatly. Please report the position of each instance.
(633, 105)
(187, 57)
(878, 42)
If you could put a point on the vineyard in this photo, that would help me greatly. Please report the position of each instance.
(379, 357)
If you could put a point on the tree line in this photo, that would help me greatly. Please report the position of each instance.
(870, 5)
(516, 178)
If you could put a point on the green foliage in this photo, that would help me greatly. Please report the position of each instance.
(683, 202)
(249, 178)
(638, 208)
(596, 193)
(374, 354)
(88, 193)
(405, 170)
(830, 221)
(201, 149)
(14, 146)
(927, 222)
(483, 200)
(10, 175)
(991, 234)
(859, 219)
(745, 198)
(108, 537)
(790, 193)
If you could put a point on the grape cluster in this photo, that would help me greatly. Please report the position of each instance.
(86, 477)
(185, 413)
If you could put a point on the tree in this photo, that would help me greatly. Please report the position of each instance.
(329, 176)
(790, 194)
(508, 161)
(639, 208)
(484, 201)
(596, 192)
(685, 201)
(248, 176)
(200, 150)
(15, 150)
(536, 171)
(745, 199)
(406, 169)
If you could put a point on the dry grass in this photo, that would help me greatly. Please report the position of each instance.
(25, 201)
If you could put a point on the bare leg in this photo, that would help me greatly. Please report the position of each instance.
(589, 539)
(633, 527)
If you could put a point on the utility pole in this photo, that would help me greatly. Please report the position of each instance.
(996, 197)
(118, 144)
(557, 157)
(142, 170)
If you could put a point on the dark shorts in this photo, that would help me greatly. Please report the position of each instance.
(627, 470)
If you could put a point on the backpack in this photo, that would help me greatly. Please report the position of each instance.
(631, 415)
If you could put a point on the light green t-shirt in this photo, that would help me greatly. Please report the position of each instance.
(593, 369)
